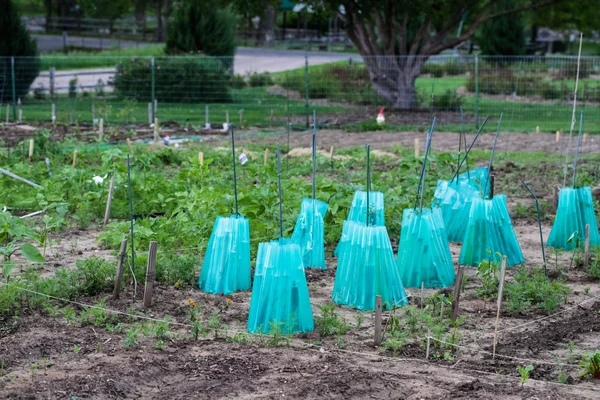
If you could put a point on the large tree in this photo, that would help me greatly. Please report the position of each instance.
(395, 37)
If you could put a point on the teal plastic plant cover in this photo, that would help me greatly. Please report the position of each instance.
(280, 299)
(489, 233)
(454, 201)
(423, 253)
(476, 178)
(366, 268)
(575, 210)
(358, 211)
(226, 265)
(309, 233)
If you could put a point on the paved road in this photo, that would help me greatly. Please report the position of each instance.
(246, 60)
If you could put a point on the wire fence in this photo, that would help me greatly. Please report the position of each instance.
(534, 93)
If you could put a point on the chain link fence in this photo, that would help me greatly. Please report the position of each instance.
(530, 91)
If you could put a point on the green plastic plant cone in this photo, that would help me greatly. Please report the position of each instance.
(423, 254)
(280, 300)
(454, 201)
(366, 268)
(358, 211)
(490, 231)
(309, 233)
(226, 265)
(476, 178)
(575, 211)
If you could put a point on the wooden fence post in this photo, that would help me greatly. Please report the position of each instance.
(149, 288)
(499, 304)
(586, 247)
(457, 288)
(416, 147)
(74, 158)
(377, 320)
(119, 277)
(111, 189)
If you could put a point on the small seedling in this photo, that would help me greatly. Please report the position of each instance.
(160, 345)
(359, 320)
(76, 349)
(524, 372)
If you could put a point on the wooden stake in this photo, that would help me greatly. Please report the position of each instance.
(227, 116)
(555, 192)
(7, 113)
(271, 123)
(457, 289)
(20, 110)
(206, 123)
(428, 346)
(149, 288)
(416, 147)
(442, 311)
(156, 137)
(557, 136)
(74, 158)
(422, 294)
(585, 137)
(378, 320)
(499, 304)
(492, 178)
(93, 114)
(201, 157)
(150, 113)
(537, 129)
(586, 246)
(129, 145)
(119, 276)
(101, 128)
(331, 152)
(155, 108)
(266, 156)
(53, 116)
(111, 189)
(241, 119)
(30, 150)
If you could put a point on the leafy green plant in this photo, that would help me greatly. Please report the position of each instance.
(329, 322)
(591, 365)
(12, 231)
(76, 349)
(489, 273)
(132, 337)
(535, 289)
(524, 372)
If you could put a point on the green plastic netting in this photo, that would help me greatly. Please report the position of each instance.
(280, 298)
(490, 231)
(226, 265)
(423, 253)
(366, 268)
(575, 211)
(309, 232)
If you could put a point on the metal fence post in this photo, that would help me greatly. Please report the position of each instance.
(52, 82)
(14, 87)
(153, 90)
(306, 89)
(476, 91)
(329, 35)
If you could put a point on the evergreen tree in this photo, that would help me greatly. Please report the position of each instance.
(17, 43)
(200, 26)
(503, 36)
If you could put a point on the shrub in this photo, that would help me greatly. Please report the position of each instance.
(17, 43)
(179, 80)
(256, 79)
(237, 82)
(447, 101)
(200, 26)
(505, 82)
(448, 68)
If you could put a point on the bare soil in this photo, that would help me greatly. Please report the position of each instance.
(39, 359)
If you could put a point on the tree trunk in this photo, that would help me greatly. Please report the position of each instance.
(48, 14)
(394, 79)
(266, 26)
(140, 16)
(159, 22)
